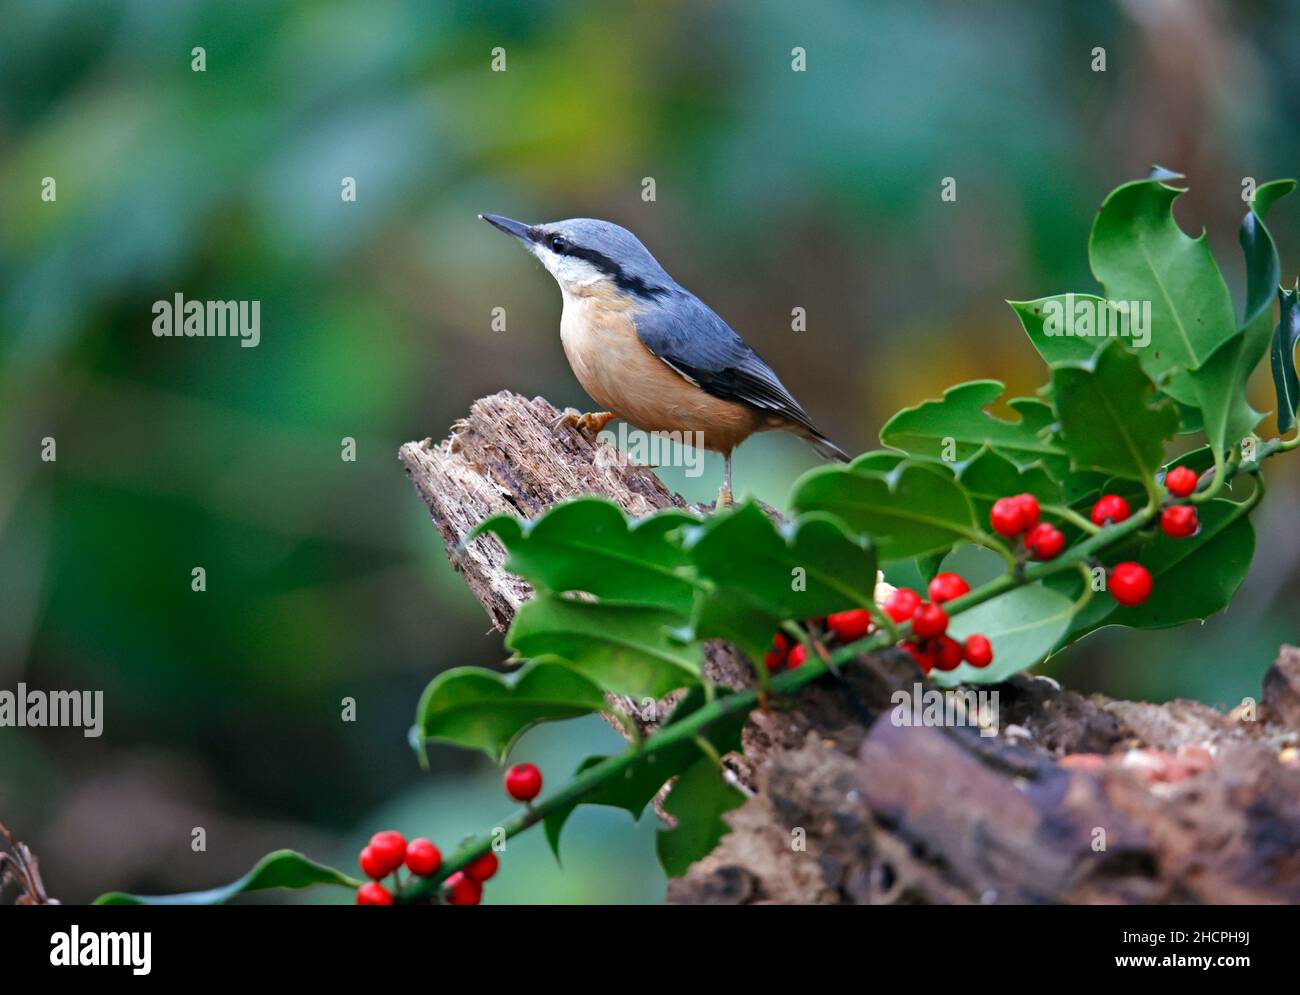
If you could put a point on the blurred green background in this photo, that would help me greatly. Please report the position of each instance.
(325, 579)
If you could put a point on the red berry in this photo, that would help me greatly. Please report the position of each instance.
(929, 621)
(373, 893)
(902, 604)
(946, 587)
(850, 625)
(461, 889)
(1044, 541)
(1181, 481)
(1180, 521)
(1029, 508)
(1007, 517)
(523, 782)
(923, 659)
(1130, 583)
(797, 656)
(978, 651)
(422, 857)
(949, 654)
(483, 868)
(372, 866)
(775, 657)
(389, 849)
(1109, 509)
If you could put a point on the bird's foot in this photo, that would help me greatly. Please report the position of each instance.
(724, 499)
(592, 422)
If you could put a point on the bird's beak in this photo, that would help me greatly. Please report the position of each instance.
(515, 228)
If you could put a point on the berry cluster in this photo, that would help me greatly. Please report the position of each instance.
(387, 851)
(933, 647)
(1180, 520)
(385, 854)
(1129, 583)
(844, 627)
(1017, 516)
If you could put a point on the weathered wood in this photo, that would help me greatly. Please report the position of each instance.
(1190, 804)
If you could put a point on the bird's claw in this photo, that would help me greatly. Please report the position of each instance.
(592, 422)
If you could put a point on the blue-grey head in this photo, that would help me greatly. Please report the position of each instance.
(581, 253)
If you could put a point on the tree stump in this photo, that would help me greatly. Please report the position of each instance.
(1075, 799)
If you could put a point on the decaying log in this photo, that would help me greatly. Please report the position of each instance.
(1075, 799)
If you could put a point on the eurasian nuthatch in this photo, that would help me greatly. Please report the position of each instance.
(651, 352)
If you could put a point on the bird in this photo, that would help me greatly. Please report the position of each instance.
(650, 352)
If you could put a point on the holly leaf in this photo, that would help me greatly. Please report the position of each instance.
(1220, 387)
(766, 573)
(736, 618)
(801, 569)
(1053, 325)
(988, 475)
(280, 869)
(914, 509)
(1107, 420)
(1263, 268)
(481, 710)
(587, 544)
(1138, 253)
(698, 800)
(1222, 380)
(632, 792)
(878, 460)
(1282, 359)
(640, 782)
(1023, 625)
(957, 426)
(624, 648)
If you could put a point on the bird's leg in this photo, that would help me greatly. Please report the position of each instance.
(724, 495)
(591, 421)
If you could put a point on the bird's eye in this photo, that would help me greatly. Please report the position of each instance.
(559, 244)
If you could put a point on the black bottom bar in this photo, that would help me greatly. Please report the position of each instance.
(280, 944)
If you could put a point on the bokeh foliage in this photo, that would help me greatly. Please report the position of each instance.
(775, 190)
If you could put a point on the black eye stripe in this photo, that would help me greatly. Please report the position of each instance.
(623, 280)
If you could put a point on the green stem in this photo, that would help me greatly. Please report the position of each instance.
(1088, 592)
(1071, 516)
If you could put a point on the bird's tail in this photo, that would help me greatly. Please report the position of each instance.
(826, 448)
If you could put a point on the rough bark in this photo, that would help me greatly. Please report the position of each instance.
(1075, 799)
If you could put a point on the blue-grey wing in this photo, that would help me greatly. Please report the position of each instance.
(684, 332)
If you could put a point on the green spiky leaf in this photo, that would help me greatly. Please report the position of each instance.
(625, 648)
(914, 509)
(477, 709)
(959, 416)
(1282, 359)
(587, 544)
(1023, 625)
(636, 786)
(280, 869)
(1138, 253)
(698, 801)
(1108, 420)
(1055, 325)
